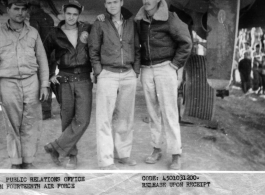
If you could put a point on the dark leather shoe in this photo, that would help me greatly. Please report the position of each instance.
(176, 163)
(27, 166)
(127, 161)
(15, 166)
(72, 163)
(54, 154)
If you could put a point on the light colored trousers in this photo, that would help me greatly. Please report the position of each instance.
(115, 91)
(23, 117)
(160, 85)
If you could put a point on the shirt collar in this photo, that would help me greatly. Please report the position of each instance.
(118, 20)
(8, 26)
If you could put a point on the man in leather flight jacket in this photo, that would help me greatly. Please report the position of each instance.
(166, 46)
(115, 55)
(70, 42)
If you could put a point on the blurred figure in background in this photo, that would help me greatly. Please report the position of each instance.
(244, 68)
(43, 22)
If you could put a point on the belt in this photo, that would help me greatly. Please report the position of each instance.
(74, 78)
(76, 70)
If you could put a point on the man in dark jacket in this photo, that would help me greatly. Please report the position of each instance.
(115, 56)
(166, 45)
(43, 22)
(70, 42)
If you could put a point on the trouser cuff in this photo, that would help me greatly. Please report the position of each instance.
(16, 161)
(106, 163)
(156, 145)
(28, 159)
(59, 149)
(175, 152)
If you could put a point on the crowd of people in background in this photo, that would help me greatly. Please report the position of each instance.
(250, 60)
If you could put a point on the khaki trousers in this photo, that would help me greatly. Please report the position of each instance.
(115, 128)
(160, 85)
(23, 117)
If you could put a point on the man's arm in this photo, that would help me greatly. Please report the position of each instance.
(42, 62)
(137, 50)
(95, 46)
(43, 69)
(180, 33)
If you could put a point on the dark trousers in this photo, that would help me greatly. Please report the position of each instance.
(47, 105)
(245, 82)
(76, 105)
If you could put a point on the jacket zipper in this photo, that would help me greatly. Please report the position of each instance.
(148, 40)
(120, 37)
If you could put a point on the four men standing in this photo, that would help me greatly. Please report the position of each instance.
(116, 56)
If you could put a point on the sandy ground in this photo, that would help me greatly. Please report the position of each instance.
(237, 145)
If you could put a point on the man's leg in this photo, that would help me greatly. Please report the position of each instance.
(67, 106)
(167, 90)
(12, 105)
(151, 97)
(82, 109)
(124, 113)
(31, 121)
(107, 88)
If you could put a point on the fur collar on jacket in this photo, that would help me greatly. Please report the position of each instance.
(160, 15)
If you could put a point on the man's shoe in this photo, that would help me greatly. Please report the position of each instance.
(176, 163)
(27, 166)
(72, 163)
(154, 157)
(127, 161)
(16, 166)
(54, 154)
(110, 167)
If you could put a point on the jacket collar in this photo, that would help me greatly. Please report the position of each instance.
(126, 14)
(79, 26)
(160, 15)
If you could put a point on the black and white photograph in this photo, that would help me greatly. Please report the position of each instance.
(156, 96)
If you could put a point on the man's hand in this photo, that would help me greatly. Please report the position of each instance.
(44, 94)
(54, 79)
(180, 76)
(101, 17)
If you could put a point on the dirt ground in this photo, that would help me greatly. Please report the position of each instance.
(237, 145)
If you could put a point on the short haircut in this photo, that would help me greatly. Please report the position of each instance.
(67, 6)
(10, 5)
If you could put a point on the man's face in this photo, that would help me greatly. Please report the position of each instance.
(113, 6)
(17, 13)
(71, 16)
(150, 4)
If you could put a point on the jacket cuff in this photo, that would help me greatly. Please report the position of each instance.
(174, 66)
(45, 84)
(136, 69)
